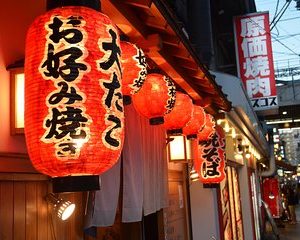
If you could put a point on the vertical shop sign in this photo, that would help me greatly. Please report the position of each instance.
(255, 59)
(212, 158)
(271, 196)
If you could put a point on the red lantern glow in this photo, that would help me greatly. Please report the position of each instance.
(74, 111)
(180, 115)
(156, 98)
(134, 68)
(208, 130)
(196, 123)
(211, 167)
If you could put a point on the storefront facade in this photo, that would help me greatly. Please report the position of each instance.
(24, 211)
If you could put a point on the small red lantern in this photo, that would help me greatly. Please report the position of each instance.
(196, 123)
(74, 120)
(180, 115)
(208, 130)
(134, 69)
(211, 158)
(156, 98)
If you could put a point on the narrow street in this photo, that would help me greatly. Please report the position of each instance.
(291, 232)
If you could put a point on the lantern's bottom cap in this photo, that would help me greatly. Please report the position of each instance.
(175, 131)
(156, 120)
(191, 136)
(75, 183)
(126, 99)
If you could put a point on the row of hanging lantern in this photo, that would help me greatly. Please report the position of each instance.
(77, 72)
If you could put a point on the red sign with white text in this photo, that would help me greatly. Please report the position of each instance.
(271, 195)
(255, 59)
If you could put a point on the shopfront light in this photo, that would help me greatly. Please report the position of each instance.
(233, 133)
(179, 149)
(227, 127)
(247, 152)
(17, 81)
(62, 208)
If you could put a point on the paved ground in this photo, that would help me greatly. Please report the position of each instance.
(291, 232)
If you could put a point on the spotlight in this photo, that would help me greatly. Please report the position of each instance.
(247, 152)
(63, 209)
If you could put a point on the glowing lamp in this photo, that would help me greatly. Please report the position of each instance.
(62, 208)
(208, 130)
(180, 115)
(134, 69)
(247, 152)
(17, 96)
(179, 149)
(156, 98)
(74, 120)
(197, 122)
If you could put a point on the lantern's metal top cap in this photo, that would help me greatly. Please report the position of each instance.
(94, 4)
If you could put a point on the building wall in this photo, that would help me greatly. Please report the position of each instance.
(14, 22)
(25, 214)
(204, 210)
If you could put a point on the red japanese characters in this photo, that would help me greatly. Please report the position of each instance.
(180, 115)
(156, 98)
(210, 162)
(197, 122)
(134, 68)
(74, 111)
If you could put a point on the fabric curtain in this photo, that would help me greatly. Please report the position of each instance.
(145, 175)
(102, 205)
(132, 167)
(155, 167)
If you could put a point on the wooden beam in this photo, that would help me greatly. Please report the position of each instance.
(139, 3)
(153, 42)
(126, 19)
(15, 162)
(178, 52)
(22, 177)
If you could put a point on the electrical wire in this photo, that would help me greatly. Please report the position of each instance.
(288, 19)
(277, 4)
(287, 5)
(275, 38)
(285, 53)
(288, 36)
(275, 16)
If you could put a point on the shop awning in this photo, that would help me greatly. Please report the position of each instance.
(155, 27)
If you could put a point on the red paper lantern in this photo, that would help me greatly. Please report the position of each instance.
(271, 195)
(196, 123)
(208, 130)
(74, 111)
(134, 68)
(180, 115)
(156, 98)
(211, 158)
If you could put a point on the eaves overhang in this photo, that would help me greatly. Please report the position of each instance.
(153, 26)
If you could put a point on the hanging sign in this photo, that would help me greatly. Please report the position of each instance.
(211, 158)
(74, 120)
(255, 59)
(271, 196)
